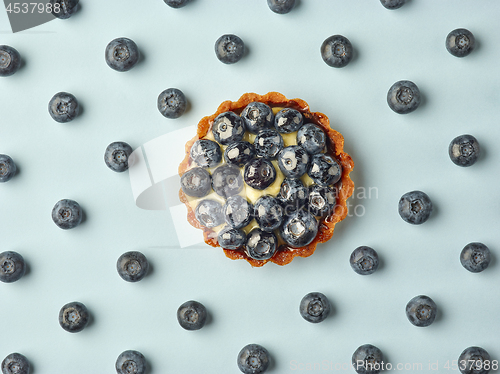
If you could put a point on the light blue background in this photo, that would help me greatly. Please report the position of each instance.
(392, 153)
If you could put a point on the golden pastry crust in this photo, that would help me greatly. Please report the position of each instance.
(335, 145)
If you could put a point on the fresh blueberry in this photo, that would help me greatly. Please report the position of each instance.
(65, 9)
(324, 170)
(364, 260)
(336, 51)
(227, 180)
(299, 228)
(172, 103)
(268, 143)
(196, 182)
(63, 107)
(261, 245)
(293, 195)
(192, 315)
(131, 362)
(15, 363)
(132, 266)
(238, 211)
(293, 161)
(209, 213)
(464, 150)
(314, 307)
(288, 120)
(259, 173)
(7, 168)
(281, 6)
(403, 97)
(312, 138)
(122, 54)
(10, 61)
(239, 153)
(393, 4)
(117, 156)
(73, 317)
(176, 3)
(228, 128)
(415, 207)
(12, 266)
(268, 213)
(475, 257)
(231, 238)
(67, 214)
(421, 311)
(206, 153)
(474, 360)
(229, 48)
(322, 200)
(257, 116)
(253, 359)
(460, 42)
(367, 359)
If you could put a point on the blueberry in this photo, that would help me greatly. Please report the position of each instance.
(259, 173)
(121, 54)
(253, 359)
(393, 4)
(322, 200)
(460, 42)
(172, 103)
(7, 168)
(196, 182)
(65, 9)
(132, 266)
(73, 317)
(192, 315)
(281, 6)
(415, 207)
(299, 228)
(268, 143)
(239, 153)
(367, 359)
(227, 180)
(209, 213)
(421, 311)
(257, 116)
(261, 245)
(63, 107)
(293, 161)
(336, 51)
(403, 97)
(293, 195)
(464, 150)
(229, 48)
(15, 363)
(228, 128)
(67, 214)
(131, 362)
(231, 238)
(117, 155)
(475, 257)
(238, 212)
(288, 120)
(12, 266)
(176, 3)
(324, 169)
(206, 153)
(474, 360)
(312, 138)
(314, 307)
(268, 213)
(10, 61)
(364, 260)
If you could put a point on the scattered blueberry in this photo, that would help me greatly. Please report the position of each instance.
(172, 103)
(312, 138)
(336, 51)
(176, 3)
(67, 214)
(415, 207)
(131, 362)
(281, 6)
(7, 168)
(209, 213)
(229, 49)
(259, 173)
(268, 213)
(238, 211)
(239, 153)
(324, 170)
(73, 317)
(475, 360)
(117, 156)
(66, 8)
(15, 363)
(268, 143)
(293, 161)
(257, 116)
(364, 260)
(403, 97)
(261, 245)
(192, 315)
(227, 180)
(322, 200)
(196, 182)
(63, 107)
(393, 4)
(132, 266)
(206, 153)
(253, 359)
(367, 359)
(299, 228)
(460, 42)
(122, 54)
(293, 195)
(231, 238)
(421, 311)
(10, 61)
(314, 307)
(228, 128)
(475, 257)
(288, 120)
(464, 150)
(12, 266)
